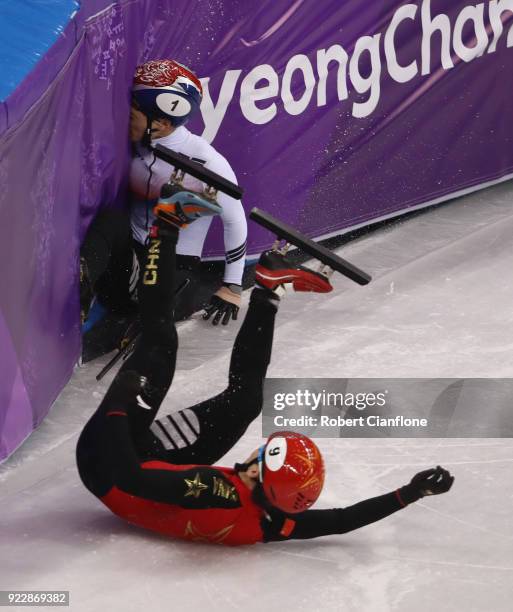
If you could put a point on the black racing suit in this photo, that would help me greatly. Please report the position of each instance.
(157, 474)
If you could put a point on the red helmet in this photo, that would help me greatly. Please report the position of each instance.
(165, 88)
(291, 471)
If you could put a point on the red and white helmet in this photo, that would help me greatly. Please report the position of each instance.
(165, 88)
(291, 471)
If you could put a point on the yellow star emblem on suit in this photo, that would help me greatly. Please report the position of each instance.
(195, 487)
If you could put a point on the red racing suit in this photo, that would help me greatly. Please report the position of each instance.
(220, 525)
(212, 504)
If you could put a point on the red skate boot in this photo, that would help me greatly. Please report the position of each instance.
(274, 269)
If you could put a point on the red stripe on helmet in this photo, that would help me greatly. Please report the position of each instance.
(163, 73)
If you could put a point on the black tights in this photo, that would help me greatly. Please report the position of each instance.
(207, 431)
(201, 434)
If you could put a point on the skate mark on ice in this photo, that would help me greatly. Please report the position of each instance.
(466, 523)
(448, 563)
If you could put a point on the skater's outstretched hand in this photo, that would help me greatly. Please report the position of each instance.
(428, 482)
(224, 304)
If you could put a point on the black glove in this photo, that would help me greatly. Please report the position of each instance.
(224, 304)
(429, 482)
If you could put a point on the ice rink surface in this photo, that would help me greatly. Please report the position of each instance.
(440, 305)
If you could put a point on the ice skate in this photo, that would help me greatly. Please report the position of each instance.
(274, 269)
(179, 207)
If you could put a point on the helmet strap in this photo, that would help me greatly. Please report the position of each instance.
(260, 459)
(259, 498)
(244, 467)
(146, 139)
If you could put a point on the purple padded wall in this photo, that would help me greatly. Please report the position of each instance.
(333, 114)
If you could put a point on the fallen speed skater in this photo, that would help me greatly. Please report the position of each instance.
(159, 474)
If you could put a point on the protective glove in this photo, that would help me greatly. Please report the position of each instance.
(224, 304)
(429, 482)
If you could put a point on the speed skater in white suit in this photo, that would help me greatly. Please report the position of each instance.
(165, 95)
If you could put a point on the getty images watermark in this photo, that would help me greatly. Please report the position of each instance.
(443, 407)
(359, 401)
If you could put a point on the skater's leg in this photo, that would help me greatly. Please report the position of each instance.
(207, 431)
(154, 357)
(141, 384)
(144, 379)
(187, 270)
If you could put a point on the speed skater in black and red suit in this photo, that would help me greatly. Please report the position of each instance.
(159, 474)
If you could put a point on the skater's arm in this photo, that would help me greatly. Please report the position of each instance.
(316, 523)
(193, 487)
(235, 225)
(225, 303)
(235, 235)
